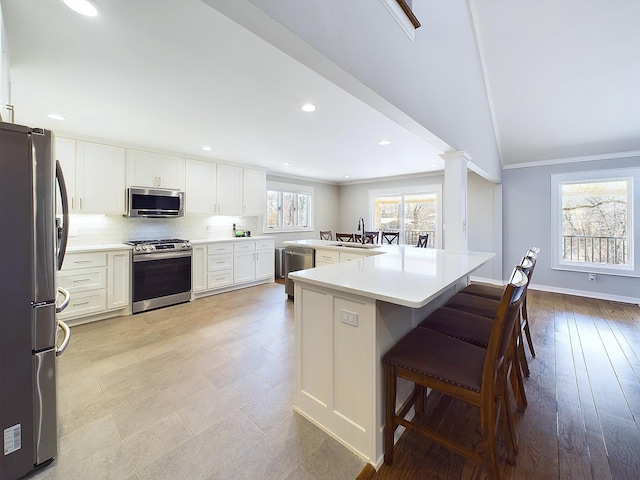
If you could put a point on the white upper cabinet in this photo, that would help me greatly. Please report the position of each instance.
(229, 190)
(65, 152)
(99, 179)
(200, 190)
(147, 169)
(254, 183)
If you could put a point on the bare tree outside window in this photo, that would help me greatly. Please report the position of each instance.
(411, 215)
(288, 210)
(595, 222)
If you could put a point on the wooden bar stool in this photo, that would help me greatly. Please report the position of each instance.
(494, 292)
(462, 370)
(326, 235)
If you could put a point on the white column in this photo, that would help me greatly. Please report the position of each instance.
(455, 200)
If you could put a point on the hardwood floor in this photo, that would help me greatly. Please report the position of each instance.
(198, 391)
(204, 391)
(583, 416)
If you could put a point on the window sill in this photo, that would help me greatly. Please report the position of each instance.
(268, 231)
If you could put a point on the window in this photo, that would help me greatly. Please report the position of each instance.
(593, 223)
(412, 212)
(289, 208)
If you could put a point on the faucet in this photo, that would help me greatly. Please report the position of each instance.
(361, 222)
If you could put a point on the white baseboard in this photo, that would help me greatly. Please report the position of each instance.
(567, 291)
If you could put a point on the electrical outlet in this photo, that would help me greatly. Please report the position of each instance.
(350, 318)
(592, 277)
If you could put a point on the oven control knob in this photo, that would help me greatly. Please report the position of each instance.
(188, 244)
(144, 247)
(184, 245)
(137, 248)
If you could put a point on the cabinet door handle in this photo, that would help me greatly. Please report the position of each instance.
(80, 203)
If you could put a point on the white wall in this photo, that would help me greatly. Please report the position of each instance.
(484, 222)
(325, 209)
(354, 198)
(527, 213)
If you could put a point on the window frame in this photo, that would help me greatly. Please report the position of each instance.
(427, 189)
(632, 176)
(294, 189)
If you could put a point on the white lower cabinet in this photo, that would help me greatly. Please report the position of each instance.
(219, 265)
(265, 259)
(223, 266)
(97, 281)
(244, 267)
(330, 256)
(326, 257)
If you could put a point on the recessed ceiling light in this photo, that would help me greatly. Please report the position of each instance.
(206, 148)
(286, 164)
(55, 116)
(384, 142)
(83, 7)
(308, 107)
(347, 176)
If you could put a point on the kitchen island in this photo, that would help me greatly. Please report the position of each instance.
(348, 315)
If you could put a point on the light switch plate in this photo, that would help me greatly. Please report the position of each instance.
(350, 318)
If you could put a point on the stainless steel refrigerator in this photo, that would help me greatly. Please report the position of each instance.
(32, 245)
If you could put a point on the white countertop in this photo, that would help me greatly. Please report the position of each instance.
(98, 248)
(200, 241)
(404, 275)
(332, 245)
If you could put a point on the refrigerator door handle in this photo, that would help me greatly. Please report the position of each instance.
(67, 336)
(64, 234)
(65, 302)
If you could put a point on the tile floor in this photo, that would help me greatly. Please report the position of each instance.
(202, 390)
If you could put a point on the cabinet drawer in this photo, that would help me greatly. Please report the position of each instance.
(216, 248)
(348, 256)
(220, 279)
(219, 262)
(84, 279)
(265, 244)
(84, 260)
(85, 303)
(327, 256)
(244, 246)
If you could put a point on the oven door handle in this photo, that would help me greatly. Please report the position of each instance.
(160, 256)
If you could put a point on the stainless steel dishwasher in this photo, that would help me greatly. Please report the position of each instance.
(296, 258)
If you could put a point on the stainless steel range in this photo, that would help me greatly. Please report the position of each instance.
(161, 273)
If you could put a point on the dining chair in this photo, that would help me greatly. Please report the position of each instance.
(390, 238)
(478, 376)
(345, 237)
(326, 235)
(371, 237)
(422, 240)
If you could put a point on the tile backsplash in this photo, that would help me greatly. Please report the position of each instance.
(105, 229)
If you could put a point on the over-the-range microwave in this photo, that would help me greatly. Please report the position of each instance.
(154, 202)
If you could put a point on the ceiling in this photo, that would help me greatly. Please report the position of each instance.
(563, 76)
(562, 80)
(177, 76)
